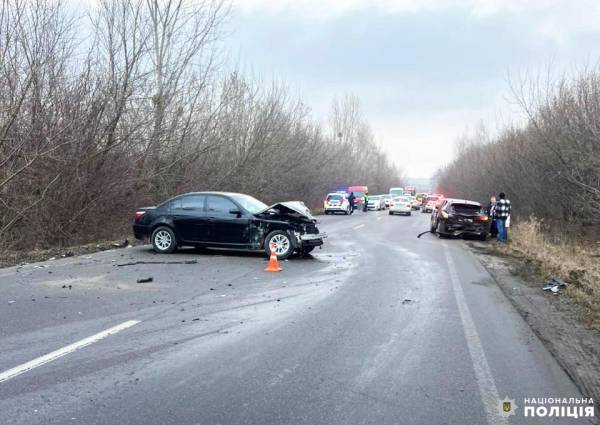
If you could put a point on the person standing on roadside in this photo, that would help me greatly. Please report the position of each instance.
(366, 202)
(502, 213)
(351, 202)
(490, 212)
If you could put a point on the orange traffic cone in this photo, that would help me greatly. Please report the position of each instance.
(273, 264)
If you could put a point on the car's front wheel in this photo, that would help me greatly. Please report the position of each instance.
(163, 240)
(281, 242)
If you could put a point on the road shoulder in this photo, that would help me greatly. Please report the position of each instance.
(556, 320)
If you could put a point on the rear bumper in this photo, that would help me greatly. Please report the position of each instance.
(340, 208)
(140, 231)
(459, 229)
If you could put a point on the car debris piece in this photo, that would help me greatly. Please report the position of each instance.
(121, 245)
(145, 279)
(11, 302)
(407, 301)
(554, 285)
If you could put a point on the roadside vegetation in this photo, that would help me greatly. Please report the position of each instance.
(549, 168)
(133, 101)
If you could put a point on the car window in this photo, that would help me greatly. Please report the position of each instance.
(335, 197)
(190, 202)
(219, 205)
(466, 208)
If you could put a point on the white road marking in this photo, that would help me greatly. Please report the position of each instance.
(25, 367)
(358, 227)
(483, 374)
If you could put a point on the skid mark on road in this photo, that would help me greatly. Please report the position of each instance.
(25, 367)
(485, 379)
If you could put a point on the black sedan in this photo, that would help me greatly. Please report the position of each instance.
(228, 220)
(456, 217)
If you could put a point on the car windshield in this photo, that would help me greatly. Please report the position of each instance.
(335, 197)
(250, 204)
(374, 198)
(403, 199)
(432, 198)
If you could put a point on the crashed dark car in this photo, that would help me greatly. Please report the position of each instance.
(456, 217)
(228, 220)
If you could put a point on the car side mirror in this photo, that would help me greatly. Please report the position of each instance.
(235, 212)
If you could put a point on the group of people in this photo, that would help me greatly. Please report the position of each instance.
(351, 201)
(499, 212)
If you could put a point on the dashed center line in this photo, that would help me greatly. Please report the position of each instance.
(358, 227)
(25, 367)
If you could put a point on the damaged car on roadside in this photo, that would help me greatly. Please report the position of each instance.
(228, 220)
(457, 217)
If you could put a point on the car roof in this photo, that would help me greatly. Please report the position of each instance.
(211, 193)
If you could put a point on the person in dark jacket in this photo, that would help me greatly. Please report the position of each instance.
(351, 202)
(501, 213)
(490, 212)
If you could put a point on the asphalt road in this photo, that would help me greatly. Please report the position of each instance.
(378, 327)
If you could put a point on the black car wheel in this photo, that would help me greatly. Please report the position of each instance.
(163, 240)
(282, 243)
(483, 237)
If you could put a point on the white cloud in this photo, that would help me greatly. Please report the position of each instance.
(556, 20)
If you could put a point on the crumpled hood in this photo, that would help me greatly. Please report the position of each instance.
(291, 209)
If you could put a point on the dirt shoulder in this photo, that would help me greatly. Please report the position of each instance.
(557, 320)
(13, 258)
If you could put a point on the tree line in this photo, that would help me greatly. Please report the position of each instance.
(549, 166)
(133, 101)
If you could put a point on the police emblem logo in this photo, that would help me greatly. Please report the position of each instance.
(507, 407)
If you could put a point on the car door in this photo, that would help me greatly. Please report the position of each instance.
(226, 226)
(189, 218)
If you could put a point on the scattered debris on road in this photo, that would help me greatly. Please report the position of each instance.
(145, 279)
(554, 285)
(407, 301)
(11, 302)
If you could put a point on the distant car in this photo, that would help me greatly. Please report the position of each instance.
(228, 220)
(431, 202)
(376, 202)
(336, 202)
(401, 205)
(387, 199)
(416, 205)
(457, 217)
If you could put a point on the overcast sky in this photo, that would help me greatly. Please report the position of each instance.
(424, 70)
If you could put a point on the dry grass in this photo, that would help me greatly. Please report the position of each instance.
(576, 263)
